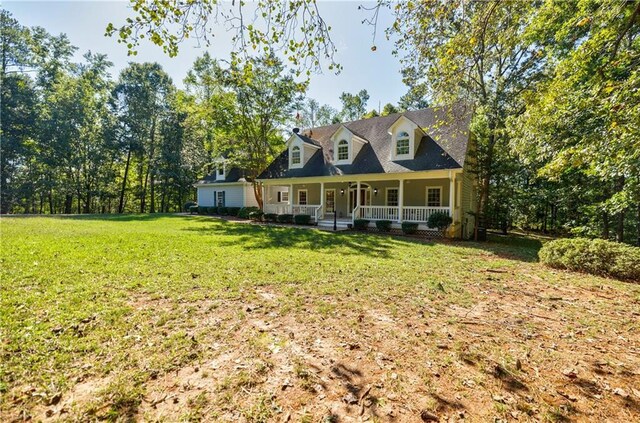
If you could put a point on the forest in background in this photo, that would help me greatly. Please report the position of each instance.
(555, 88)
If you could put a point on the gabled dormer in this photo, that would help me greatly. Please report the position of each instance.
(220, 166)
(405, 138)
(346, 145)
(300, 150)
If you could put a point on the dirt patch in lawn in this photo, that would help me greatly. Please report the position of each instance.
(520, 349)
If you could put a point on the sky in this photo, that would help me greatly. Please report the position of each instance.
(84, 22)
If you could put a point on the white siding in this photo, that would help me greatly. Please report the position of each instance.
(249, 196)
(234, 195)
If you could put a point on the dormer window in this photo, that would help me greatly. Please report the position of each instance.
(220, 171)
(402, 144)
(295, 155)
(343, 150)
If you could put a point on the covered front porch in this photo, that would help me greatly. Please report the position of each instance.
(408, 199)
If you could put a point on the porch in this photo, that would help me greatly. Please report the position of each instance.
(402, 200)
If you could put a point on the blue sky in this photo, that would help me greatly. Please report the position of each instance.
(84, 23)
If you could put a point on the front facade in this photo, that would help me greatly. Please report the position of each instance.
(226, 186)
(400, 167)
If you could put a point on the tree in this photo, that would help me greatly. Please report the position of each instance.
(354, 106)
(265, 97)
(586, 117)
(389, 109)
(142, 94)
(478, 52)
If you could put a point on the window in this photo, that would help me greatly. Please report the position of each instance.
(220, 199)
(392, 197)
(434, 197)
(283, 196)
(295, 155)
(220, 171)
(302, 197)
(343, 150)
(402, 144)
(330, 200)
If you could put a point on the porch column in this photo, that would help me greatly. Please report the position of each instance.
(322, 200)
(291, 203)
(400, 199)
(451, 194)
(264, 196)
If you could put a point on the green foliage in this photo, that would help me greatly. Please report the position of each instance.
(271, 217)
(409, 228)
(285, 218)
(188, 205)
(223, 211)
(202, 210)
(233, 211)
(256, 215)
(354, 106)
(246, 211)
(595, 256)
(302, 219)
(360, 224)
(212, 210)
(383, 225)
(439, 220)
(193, 209)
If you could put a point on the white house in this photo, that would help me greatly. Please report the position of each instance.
(401, 167)
(225, 187)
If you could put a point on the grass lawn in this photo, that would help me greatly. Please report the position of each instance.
(168, 318)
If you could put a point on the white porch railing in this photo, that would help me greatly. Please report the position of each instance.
(313, 210)
(377, 213)
(277, 208)
(421, 214)
(409, 213)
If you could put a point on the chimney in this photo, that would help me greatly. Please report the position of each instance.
(296, 130)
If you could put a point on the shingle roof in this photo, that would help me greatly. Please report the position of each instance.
(234, 175)
(444, 146)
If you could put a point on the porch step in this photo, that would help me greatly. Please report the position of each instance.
(327, 224)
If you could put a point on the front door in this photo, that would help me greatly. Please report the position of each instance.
(353, 198)
(330, 200)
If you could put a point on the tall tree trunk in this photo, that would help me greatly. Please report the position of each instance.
(152, 208)
(620, 216)
(605, 225)
(124, 181)
(68, 203)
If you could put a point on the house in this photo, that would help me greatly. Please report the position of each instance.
(225, 187)
(401, 167)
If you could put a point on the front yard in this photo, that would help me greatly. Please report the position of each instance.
(191, 318)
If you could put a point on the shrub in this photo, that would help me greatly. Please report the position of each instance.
(595, 256)
(285, 218)
(439, 220)
(202, 210)
(246, 211)
(302, 219)
(188, 205)
(213, 210)
(223, 211)
(383, 225)
(271, 217)
(233, 211)
(360, 224)
(409, 228)
(193, 209)
(256, 215)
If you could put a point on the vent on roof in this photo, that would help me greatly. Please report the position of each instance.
(296, 130)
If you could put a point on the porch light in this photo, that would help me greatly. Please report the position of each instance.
(342, 192)
(375, 191)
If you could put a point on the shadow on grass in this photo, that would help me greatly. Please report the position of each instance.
(255, 237)
(258, 237)
(512, 246)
